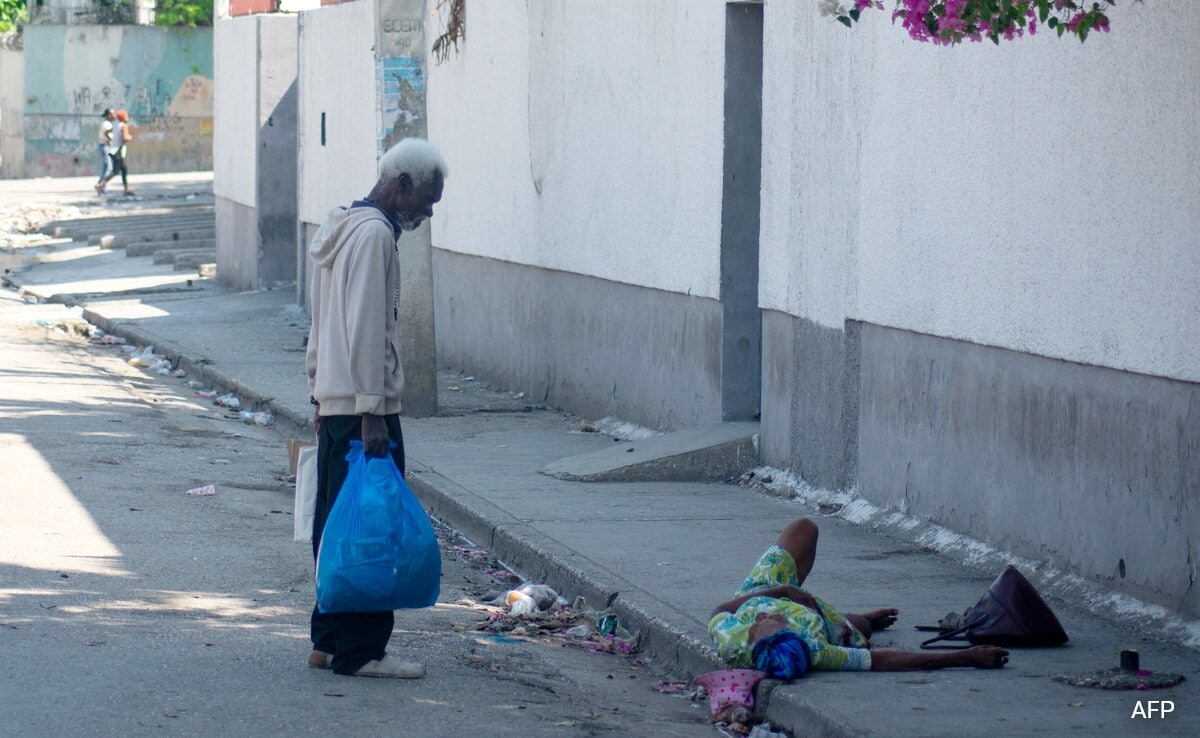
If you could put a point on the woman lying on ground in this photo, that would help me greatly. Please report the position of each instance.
(776, 627)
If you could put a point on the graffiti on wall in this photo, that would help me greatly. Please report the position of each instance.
(161, 76)
(400, 89)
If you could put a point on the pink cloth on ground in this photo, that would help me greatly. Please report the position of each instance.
(730, 687)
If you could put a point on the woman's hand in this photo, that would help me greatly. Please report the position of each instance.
(799, 596)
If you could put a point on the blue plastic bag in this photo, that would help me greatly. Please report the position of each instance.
(378, 550)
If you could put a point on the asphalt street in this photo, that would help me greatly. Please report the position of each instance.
(129, 607)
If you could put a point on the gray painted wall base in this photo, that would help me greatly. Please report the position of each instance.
(237, 244)
(589, 345)
(1094, 470)
(694, 455)
(810, 399)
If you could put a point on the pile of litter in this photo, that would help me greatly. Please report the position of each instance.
(537, 611)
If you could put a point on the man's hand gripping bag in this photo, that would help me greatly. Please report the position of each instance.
(378, 551)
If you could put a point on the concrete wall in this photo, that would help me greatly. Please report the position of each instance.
(338, 119)
(567, 156)
(979, 268)
(335, 121)
(1094, 470)
(12, 105)
(254, 180)
(162, 76)
(921, 206)
(235, 130)
(946, 193)
(277, 149)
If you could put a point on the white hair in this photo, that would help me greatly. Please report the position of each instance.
(415, 157)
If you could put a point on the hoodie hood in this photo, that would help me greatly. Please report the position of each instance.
(335, 233)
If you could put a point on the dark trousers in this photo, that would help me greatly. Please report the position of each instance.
(354, 638)
(118, 167)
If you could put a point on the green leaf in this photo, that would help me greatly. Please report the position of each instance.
(1060, 30)
(1083, 32)
(854, 13)
(1043, 10)
(1052, 23)
(845, 21)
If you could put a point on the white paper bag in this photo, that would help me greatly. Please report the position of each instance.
(306, 493)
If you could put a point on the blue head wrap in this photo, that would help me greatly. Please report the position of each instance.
(783, 655)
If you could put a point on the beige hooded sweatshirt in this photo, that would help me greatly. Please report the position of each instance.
(353, 357)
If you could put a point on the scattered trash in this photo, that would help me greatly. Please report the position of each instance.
(519, 395)
(764, 730)
(257, 418)
(543, 597)
(160, 365)
(109, 340)
(583, 630)
(208, 394)
(476, 554)
(143, 357)
(520, 603)
(584, 426)
(452, 388)
(205, 491)
(676, 688)
(230, 401)
(575, 628)
(606, 624)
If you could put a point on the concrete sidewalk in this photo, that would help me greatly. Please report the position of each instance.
(661, 553)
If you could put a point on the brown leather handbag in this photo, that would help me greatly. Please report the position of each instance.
(1012, 613)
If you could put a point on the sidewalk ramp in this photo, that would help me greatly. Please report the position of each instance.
(693, 455)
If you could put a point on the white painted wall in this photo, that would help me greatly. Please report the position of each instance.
(1041, 195)
(280, 36)
(235, 109)
(12, 108)
(586, 136)
(336, 77)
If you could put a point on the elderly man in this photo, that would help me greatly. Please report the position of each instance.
(354, 370)
(776, 627)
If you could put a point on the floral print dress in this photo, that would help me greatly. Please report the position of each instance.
(833, 641)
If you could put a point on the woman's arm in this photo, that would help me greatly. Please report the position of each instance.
(981, 657)
(782, 592)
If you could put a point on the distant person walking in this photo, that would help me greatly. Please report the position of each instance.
(122, 135)
(354, 370)
(103, 148)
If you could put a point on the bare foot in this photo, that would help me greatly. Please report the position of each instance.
(882, 618)
(985, 657)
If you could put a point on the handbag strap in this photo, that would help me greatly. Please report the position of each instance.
(958, 634)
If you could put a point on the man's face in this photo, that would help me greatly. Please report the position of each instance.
(108, 115)
(765, 625)
(411, 205)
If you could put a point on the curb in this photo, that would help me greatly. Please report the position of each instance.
(546, 560)
(198, 368)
